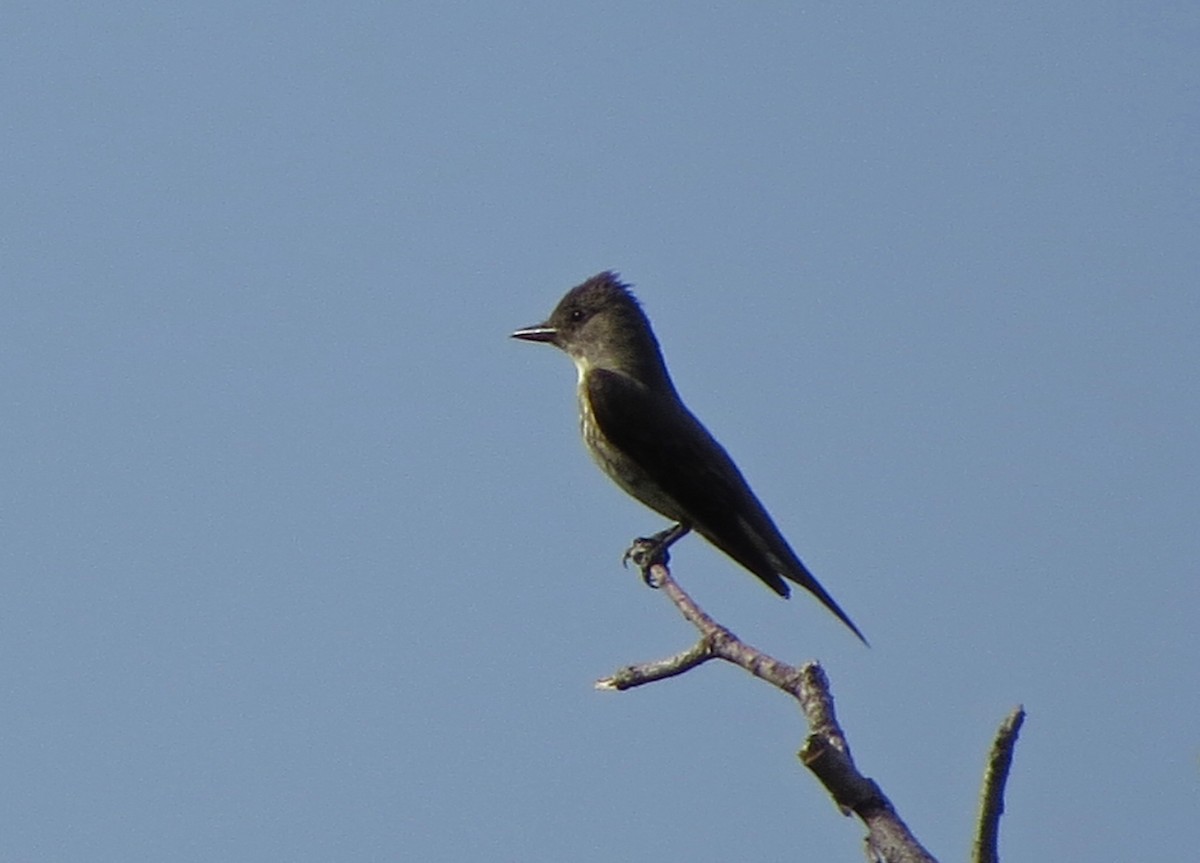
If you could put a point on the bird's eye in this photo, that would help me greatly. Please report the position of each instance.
(576, 315)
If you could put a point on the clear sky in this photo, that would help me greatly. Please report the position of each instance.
(301, 557)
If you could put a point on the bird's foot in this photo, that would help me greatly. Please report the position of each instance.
(644, 553)
(647, 551)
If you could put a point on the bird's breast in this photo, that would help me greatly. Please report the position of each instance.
(622, 468)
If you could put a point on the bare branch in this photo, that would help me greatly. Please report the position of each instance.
(648, 672)
(991, 805)
(825, 752)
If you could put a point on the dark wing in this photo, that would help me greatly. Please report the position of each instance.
(688, 465)
(694, 471)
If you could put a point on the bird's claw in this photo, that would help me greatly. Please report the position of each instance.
(647, 551)
(644, 554)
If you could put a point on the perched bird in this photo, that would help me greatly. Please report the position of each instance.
(643, 436)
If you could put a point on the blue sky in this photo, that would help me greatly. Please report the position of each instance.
(302, 558)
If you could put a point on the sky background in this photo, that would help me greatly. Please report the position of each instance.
(301, 557)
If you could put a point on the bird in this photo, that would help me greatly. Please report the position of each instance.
(641, 434)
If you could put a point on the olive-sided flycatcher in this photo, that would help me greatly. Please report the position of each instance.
(642, 435)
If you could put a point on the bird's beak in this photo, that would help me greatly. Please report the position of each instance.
(537, 333)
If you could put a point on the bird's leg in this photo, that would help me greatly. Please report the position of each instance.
(649, 550)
